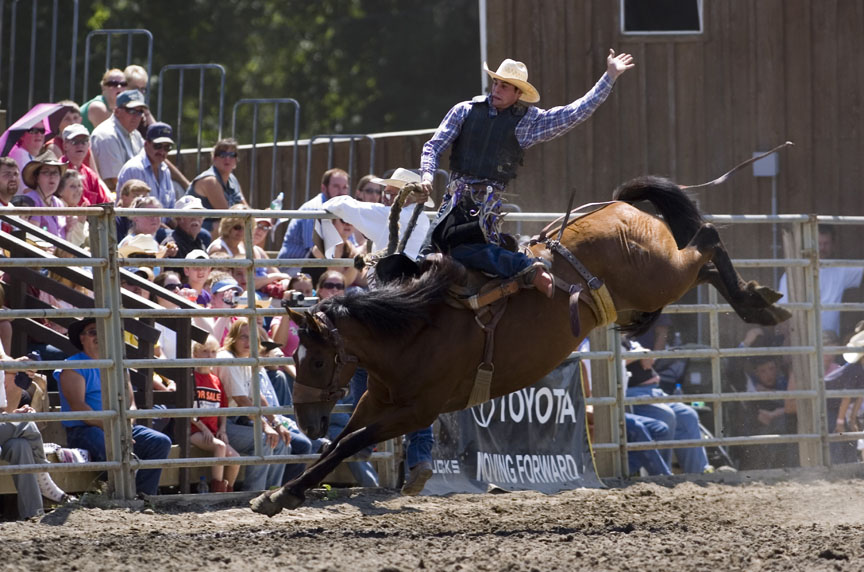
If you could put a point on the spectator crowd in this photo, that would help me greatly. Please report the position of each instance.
(111, 150)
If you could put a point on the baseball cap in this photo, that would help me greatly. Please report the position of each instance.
(196, 254)
(131, 98)
(160, 133)
(223, 285)
(188, 202)
(74, 130)
(142, 271)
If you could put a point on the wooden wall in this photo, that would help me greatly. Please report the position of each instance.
(762, 73)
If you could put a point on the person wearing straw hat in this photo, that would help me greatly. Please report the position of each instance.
(42, 174)
(488, 136)
(371, 219)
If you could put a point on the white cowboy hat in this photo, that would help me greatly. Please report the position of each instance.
(138, 244)
(399, 179)
(516, 74)
(856, 341)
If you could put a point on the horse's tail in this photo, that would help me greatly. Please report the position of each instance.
(676, 208)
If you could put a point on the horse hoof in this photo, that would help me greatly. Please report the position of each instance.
(264, 504)
(768, 294)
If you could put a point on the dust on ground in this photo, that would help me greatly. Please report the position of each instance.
(803, 525)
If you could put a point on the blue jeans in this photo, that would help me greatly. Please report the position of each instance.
(492, 259)
(419, 447)
(683, 423)
(257, 477)
(363, 471)
(300, 445)
(642, 430)
(149, 444)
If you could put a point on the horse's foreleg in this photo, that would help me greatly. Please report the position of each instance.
(390, 423)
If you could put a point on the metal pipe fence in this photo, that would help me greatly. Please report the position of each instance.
(333, 138)
(812, 430)
(109, 34)
(275, 102)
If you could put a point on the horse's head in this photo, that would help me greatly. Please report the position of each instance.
(324, 370)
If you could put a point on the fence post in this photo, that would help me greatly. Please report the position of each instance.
(115, 397)
(817, 368)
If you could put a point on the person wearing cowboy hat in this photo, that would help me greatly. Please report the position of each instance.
(371, 219)
(42, 175)
(488, 136)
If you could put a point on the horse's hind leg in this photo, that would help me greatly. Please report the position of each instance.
(753, 302)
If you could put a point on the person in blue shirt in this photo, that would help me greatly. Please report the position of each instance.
(81, 390)
(298, 240)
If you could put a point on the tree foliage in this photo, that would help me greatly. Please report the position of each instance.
(355, 66)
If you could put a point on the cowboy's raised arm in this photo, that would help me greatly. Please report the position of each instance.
(616, 65)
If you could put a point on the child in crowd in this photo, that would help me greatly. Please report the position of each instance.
(208, 433)
(71, 192)
(131, 190)
(197, 277)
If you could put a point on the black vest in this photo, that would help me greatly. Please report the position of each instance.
(486, 147)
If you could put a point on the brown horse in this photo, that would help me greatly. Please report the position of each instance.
(422, 354)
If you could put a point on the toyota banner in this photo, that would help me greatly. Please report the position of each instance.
(532, 439)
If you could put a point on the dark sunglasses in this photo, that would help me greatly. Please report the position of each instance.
(133, 111)
(172, 287)
(115, 83)
(227, 154)
(36, 130)
(333, 286)
(373, 190)
(163, 146)
(237, 227)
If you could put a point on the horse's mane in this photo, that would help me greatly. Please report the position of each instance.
(396, 308)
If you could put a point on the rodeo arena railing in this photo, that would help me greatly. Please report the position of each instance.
(813, 434)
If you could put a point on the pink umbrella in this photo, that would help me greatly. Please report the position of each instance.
(37, 115)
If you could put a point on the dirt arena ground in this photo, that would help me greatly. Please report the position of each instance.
(812, 523)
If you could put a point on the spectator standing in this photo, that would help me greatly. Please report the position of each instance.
(76, 140)
(217, 187)
(81, 390)
(149, 165)
(208, 432)
(237, 381)
(100, 108)
(833, 281)
(42, 174)
(299, 238)
(116, 140)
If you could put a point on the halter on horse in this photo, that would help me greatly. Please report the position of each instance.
(422, 354)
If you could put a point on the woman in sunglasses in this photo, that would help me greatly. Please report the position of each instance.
(102, 106)
(217, 187)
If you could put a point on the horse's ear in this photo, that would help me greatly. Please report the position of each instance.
(299, 318)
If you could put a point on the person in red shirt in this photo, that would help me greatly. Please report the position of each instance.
(208, 433)
(76, 141)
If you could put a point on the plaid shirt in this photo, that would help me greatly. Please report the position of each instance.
(536, 126)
